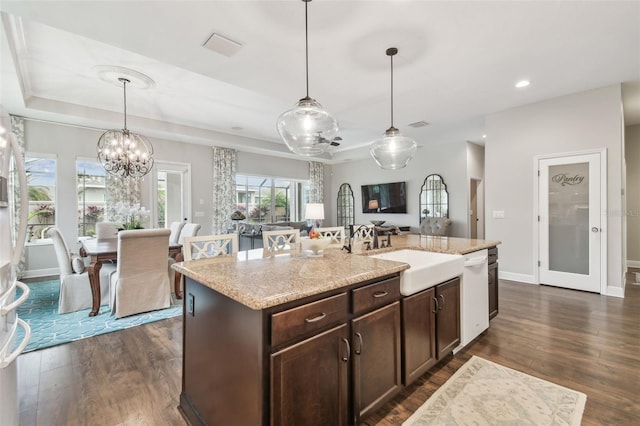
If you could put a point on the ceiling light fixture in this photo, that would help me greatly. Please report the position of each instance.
(307, 129)
(522, 83)
(393, 151)
(122, 153)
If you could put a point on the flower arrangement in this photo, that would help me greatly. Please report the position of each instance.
(131, 217)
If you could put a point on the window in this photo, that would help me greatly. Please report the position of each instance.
(41, 184)
(91, 180)
(267, 200)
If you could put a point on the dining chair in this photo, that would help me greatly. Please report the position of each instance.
(75, 288)
(175, 228)
(188, 230)
(107, 230)
(141, 280)
(209, 246)
(281, 241)
(335, 233)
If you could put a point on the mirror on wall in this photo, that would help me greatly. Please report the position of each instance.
(345, 204)
(434, 198)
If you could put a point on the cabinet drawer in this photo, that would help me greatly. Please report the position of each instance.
(376, 294)
(298, 321)
(493, 255)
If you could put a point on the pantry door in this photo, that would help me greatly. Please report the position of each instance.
(571, 222)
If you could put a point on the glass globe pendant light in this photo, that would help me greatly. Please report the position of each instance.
(307, 128)
(123, 153)
(392, 151)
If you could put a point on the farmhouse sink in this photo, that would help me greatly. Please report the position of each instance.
(427, 268)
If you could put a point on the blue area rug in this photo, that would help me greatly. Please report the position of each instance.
(48, 328)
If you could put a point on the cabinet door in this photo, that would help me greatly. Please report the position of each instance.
(419, 334)
(309, 381)
(448, 317)
(376, 359)
(493, 290)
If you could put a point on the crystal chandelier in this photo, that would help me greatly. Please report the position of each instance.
(123, 153)
(392, 151)
(307, 129)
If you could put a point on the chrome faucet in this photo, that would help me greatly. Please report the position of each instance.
(43, 233)
(352, 234)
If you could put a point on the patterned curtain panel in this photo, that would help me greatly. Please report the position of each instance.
(224, 189)
(316, 184)
(120, 190)
(17, 128)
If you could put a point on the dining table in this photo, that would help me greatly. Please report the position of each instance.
(101, 250)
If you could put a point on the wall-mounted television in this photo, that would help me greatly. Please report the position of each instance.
(384, 198)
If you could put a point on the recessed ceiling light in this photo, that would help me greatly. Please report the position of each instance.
(484, 136)
(522, 83)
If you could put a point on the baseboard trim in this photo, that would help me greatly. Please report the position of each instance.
(512, 276)
(37, 273)
(633, 263)
(615, 292)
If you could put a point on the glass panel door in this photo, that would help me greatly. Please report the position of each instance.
(570, 222)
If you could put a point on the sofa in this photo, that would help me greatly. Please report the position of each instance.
(439, 226)
(250, 234)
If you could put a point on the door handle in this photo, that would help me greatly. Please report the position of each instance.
(595, 229)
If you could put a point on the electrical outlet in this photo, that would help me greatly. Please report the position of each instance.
(191, 304)
(498, 214)
(199, 214)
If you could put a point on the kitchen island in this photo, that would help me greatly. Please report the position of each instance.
(292, 339)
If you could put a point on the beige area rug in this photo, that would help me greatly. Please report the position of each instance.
(485, 393)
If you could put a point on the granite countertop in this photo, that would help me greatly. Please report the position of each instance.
(262, 282)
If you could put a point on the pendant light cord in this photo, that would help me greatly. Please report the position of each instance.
(306, 41)
(124, 87)
(391, 90)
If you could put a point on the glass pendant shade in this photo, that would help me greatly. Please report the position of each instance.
(393, 151)
(125, 154)
(307, 129)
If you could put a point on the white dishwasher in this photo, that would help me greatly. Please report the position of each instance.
(474, 297)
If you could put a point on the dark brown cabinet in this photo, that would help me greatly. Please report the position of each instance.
(493, 282)
(310, 381)
(375, 339)
(447, 317)
(431, 327)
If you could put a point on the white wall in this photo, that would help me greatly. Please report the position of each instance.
(632, 154)
(447, 160)
(587, 120)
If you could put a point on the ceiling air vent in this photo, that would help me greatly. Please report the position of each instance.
(222, 45)
(421, 123)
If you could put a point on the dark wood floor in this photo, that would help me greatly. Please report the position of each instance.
(583, 341)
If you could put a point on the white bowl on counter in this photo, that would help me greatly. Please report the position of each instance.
(314, 246)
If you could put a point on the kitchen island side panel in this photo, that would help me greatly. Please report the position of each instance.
(223, 360)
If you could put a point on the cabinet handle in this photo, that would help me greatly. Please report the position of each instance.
(378, 294)
(435, 306)
(317, 318)
(346, 358)
(359, 350)
(442, 297)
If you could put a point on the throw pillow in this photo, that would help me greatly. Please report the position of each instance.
(77, 264)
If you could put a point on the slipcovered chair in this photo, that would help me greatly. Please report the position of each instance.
(209, 246)
(107, 230)
(280, 241)
(336, 233)
(141, 281)
(75, 288)
(175, 228)
(188, 230)
(438, 226)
